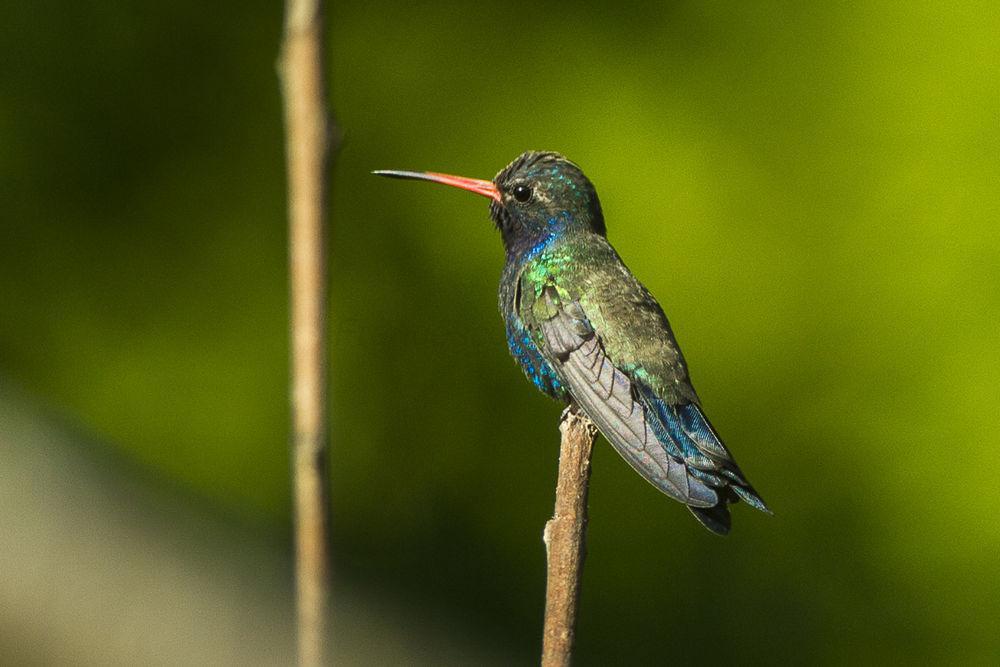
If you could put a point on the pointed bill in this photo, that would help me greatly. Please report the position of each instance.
(480, 187)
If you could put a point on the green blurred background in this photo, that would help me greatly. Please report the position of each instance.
(812, 191)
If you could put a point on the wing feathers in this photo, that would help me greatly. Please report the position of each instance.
(667, 439)
(607, 395)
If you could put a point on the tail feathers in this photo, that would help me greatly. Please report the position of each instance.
(716, 519)
(700, 432)
(696, 425)
(751, 498)
(686, 434)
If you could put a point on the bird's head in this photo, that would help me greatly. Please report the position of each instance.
(538, 196)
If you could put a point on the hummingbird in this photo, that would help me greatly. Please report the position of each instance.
(588, 333)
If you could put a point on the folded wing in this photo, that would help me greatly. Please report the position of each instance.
(614, 402)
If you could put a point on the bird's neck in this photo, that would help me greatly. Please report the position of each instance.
(526, 248)
(537, 237)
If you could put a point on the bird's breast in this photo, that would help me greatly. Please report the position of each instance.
(519, 340)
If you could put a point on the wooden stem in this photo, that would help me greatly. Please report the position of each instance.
(565, 535)
(308, 131)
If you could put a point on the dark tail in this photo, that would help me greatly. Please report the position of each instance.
(716, 519)
(690, 436)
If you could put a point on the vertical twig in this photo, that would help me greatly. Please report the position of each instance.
(307, 127)
(564, 537)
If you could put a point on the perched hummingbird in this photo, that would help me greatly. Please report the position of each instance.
(587, 332)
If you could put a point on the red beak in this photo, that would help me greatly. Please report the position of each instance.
(484, 188)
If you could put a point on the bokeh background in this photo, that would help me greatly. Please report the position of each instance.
(811, 190)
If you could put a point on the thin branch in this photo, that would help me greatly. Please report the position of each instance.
(565, 535)
(302, 71)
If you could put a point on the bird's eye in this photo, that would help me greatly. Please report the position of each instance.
(522, 193)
